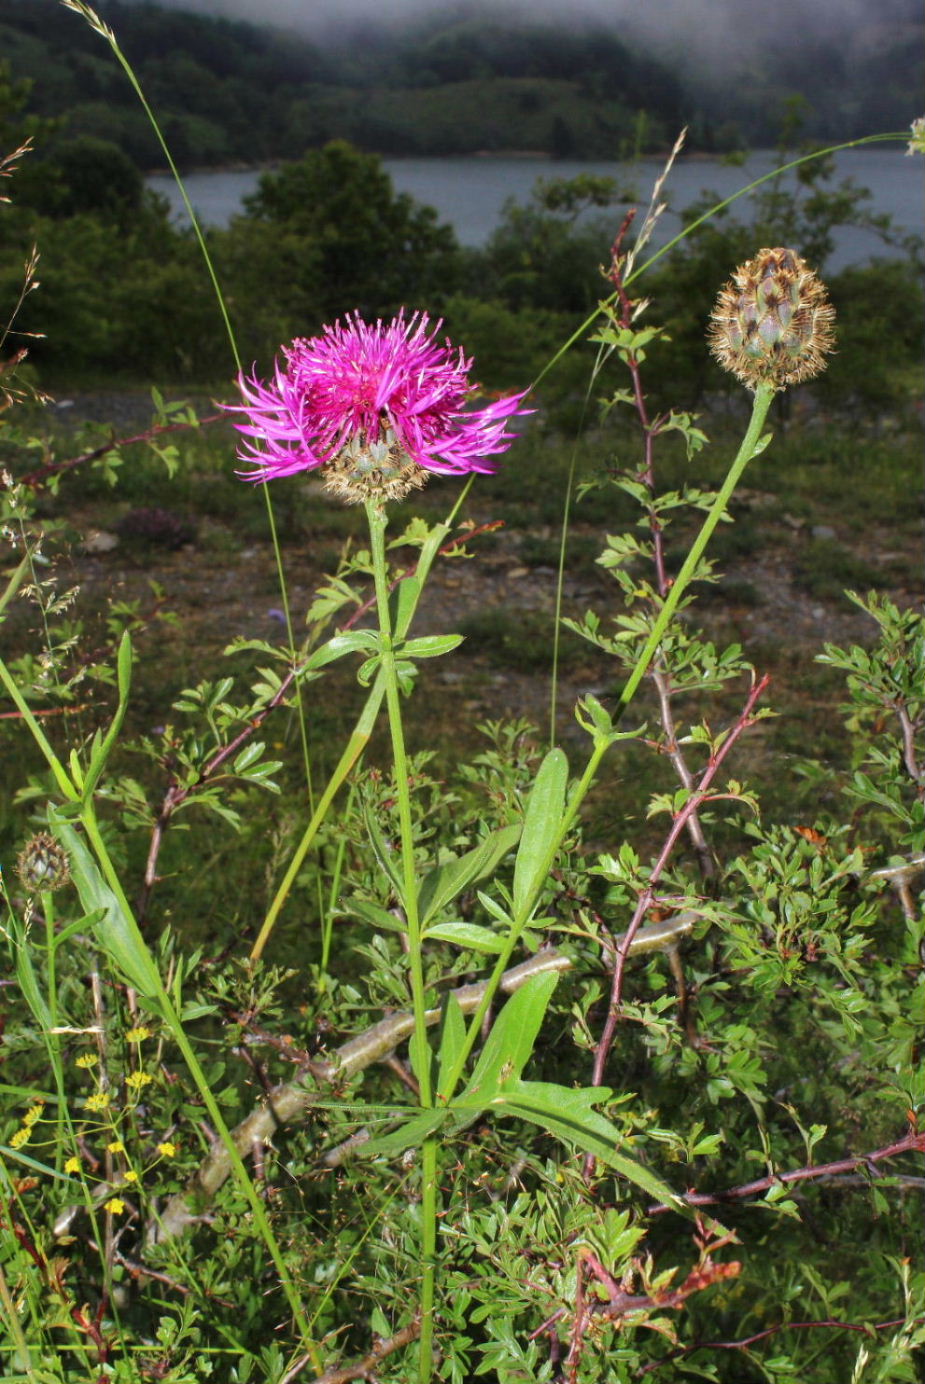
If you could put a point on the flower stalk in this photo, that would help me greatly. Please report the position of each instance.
(378, 521)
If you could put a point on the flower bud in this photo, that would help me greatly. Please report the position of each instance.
(772, 324)
(42, 864)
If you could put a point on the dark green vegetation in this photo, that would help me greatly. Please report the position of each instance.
(782, 1040)
(231, 92)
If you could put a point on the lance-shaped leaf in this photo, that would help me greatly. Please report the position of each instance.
(430, 645)
(407, 1136)
(115, 931)
(569, 1115)
(442, 885)
(350, 642)
(469, 935)
(383, 854)
(542, 826)
(510, 1043)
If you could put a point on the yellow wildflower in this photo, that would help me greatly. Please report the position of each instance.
(167, 1149)
(131, 1175)
(87, 1059)
(72, 1165)
(116, 1205)
(138, 1034)
(136, 1080)
(115, 1146)
(33, 1114)
(20, 1137)
(98, 1101)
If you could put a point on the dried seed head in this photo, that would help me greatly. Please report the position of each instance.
(42, 864)
(772, 324)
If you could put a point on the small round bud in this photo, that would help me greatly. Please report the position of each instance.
(772, 324)
(42, 864)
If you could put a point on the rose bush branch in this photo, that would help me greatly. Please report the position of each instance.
(913, 1142)
(115, 444)
(623, 311)
(648, 895)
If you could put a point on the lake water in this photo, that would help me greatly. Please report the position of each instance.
(470, 193)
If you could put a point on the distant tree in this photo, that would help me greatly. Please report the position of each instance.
(83, 175)
(542, 255)
(366, 246)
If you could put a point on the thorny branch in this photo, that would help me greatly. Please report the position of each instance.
(648, 895)
(360, 1369)
(746, 1341)
(651, 429)
(54, 468)
(913, 1142)
(621, 1303)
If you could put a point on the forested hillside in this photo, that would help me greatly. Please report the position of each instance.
(228, 92)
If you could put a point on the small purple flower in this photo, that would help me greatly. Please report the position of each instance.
(378, 407)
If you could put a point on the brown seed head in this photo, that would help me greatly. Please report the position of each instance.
(772, 324)
(42, 864)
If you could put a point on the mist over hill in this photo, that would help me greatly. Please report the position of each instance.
(487, 79)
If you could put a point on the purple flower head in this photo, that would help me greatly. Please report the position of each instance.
(378, 407)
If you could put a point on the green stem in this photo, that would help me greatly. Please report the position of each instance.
(11, 1312)
(53, 1038)
(377, 525)
(174, 1023)
(762, 402)
(361, 732)
(750, 445)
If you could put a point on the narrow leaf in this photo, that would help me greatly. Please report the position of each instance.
(353, 641)
(452, 1038)
(470, 935)
(117, 934)
(412, 1133)
(568, 1115)
(510, 1043)
(404, 599)
(383, 854)
(431, 645)
(541, 830)
(444, 884)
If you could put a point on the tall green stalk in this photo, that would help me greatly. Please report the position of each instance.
(98, 26)
(378, 521)
(752, 444)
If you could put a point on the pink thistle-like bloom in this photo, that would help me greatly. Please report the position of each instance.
(376, 407)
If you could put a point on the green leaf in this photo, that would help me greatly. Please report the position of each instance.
(404, 599)
(376, 916)
(568, 1114)
(494, 909)
(480, 939)
(510, 1042)
(412, 1133)
(430, 645)
(352, 641)
(452, 1038)
(447, 882)
(115, 932)
(383, 855)
(542, 826)
(248, 756)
